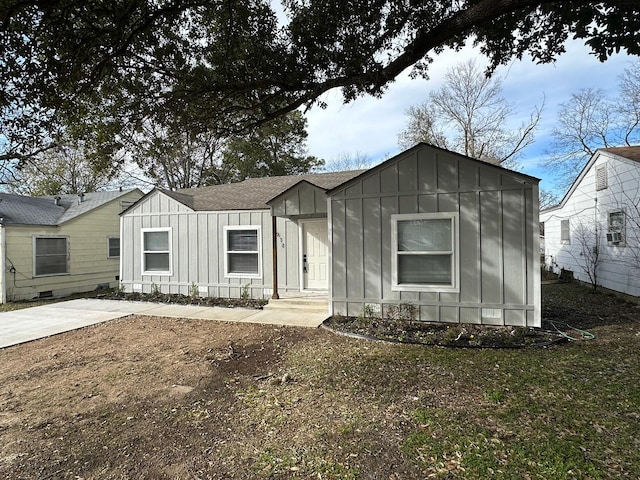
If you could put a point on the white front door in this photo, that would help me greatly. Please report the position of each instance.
(315, 255)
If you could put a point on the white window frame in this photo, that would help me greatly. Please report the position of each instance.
(454, 286)
(35, 255)
(567, 240)
(143, 251)
(258, 252)
(621, 230)
(109, 238)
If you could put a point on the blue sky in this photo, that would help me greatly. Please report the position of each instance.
(370, 126)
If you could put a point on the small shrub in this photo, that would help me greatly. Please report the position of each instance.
(155, 290)
(119, 289)
(245, 293)
(367, 313)
(193, 290)
(402, 311)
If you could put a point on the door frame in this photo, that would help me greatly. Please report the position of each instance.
(301, 242)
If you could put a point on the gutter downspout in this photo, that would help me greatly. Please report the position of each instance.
(3, 263)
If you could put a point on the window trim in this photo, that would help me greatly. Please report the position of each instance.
(258, 229)
(454, 286)
(565, 241)
(623, 228)
(109, 238)
(143, 251)
(35, 256)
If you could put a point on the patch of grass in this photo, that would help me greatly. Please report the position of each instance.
(348, 409)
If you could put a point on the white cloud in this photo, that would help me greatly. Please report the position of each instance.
(370, 126)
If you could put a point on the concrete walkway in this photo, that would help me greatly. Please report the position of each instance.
(28, 324)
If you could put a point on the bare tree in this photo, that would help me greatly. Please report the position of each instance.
(174, 158)
(469, 115)
(590, 120)
(64, 169)
(588, 254)
(547, 198)
(348, 161)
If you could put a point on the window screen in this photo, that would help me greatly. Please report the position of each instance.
(113, 247)
(51, 256)
(565, 233)
(424, 251)
(242, 251)
(156, 252)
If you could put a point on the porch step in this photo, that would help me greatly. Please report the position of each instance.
(299, 304)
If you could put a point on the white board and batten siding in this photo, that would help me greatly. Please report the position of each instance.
(498, 241)
(197, 253)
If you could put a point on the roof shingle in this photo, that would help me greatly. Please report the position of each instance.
(253, 193)
(22, 210)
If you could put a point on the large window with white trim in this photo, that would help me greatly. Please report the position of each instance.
(425, 252)
(242, 253)
(156, 251)
(51, 256)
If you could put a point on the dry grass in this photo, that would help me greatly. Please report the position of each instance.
(159, 398)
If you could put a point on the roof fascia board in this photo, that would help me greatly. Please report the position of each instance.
(421, 145)
(294, 186)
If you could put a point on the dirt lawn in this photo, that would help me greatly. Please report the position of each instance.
(146, 397)
(158, 398)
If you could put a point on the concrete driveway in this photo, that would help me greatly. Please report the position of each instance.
(28, 324)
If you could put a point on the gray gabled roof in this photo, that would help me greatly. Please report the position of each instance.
(630, 153)
(22, 210)
(253, 193)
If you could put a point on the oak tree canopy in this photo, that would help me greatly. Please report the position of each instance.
(224, 66)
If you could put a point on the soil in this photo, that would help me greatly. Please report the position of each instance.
(145, 397)
(179, 299)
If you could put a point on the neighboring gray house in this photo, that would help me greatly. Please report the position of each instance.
(456, 237)
(54, 246)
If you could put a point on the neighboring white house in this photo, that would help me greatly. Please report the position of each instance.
(456, 237)
(595, 230)
(57, 245)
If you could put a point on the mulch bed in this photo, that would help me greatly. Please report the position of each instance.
(445, 335)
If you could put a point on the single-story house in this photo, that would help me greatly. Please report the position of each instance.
(58, 245)
(455, 237)
(594, 232)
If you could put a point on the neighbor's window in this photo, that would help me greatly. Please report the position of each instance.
(616, 227)
(113, 247)
(51, 255)
(156, 251)
(565, 234)
(425, 251)
(242, 251)
(601, 177)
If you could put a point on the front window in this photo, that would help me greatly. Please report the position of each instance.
(425, 252)
(51, 256)
(242, 251)
(156, 251)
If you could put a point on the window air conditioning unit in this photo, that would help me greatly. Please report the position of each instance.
(614, 237)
